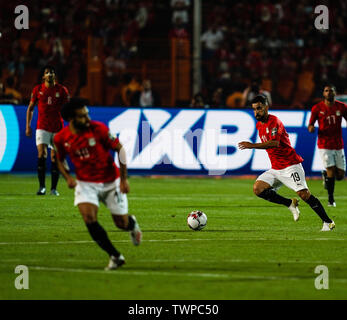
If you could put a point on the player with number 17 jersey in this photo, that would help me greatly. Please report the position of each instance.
(283, 156)
(329, 121)
(89, 152)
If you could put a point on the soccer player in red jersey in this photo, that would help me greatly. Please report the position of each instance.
(286, 167)
(88, 144)
(50, 96)
(329, 114)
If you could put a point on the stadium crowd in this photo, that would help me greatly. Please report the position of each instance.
(247, 47)
(274, 43)
(58, 35)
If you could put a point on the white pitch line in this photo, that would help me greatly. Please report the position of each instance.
(129, 272)
(122, 272)
(216, 261)
(164, 240)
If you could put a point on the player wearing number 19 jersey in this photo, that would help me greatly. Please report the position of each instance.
(285, 162)
(329, 114)
(283, 156)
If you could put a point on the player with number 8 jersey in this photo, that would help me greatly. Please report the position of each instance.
(49, 96)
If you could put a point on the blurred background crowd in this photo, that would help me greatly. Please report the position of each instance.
(271, 47)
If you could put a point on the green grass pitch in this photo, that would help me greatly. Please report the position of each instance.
(250, 249)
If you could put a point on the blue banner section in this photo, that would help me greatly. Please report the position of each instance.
(171, 141)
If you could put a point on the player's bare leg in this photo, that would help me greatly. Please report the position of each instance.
(41, 168)
(339, 174)
(129, 223)
(263, 190)
(317, 207)
(89, 214)
(54, 174)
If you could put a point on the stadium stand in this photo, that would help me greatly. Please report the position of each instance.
(97, 45)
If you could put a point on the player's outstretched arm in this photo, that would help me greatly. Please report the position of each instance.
(263, 145)
(29, 117)
(124, 185)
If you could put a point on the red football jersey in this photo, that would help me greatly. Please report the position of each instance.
(89, 151)
(50, 102)
(284, 155)
(329, 121)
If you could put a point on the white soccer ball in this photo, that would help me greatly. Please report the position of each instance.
(197, 220)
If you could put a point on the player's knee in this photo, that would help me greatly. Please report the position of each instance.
(340, 176)
(257, 190)
(304, 194)
(42, 154)
(120, 222)
(89, 218)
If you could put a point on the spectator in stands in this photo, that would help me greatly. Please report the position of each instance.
(253, 90)
(217, 100)
(130, 35)
(10, 90)
(114, 68)
(342, 72)
(16, 63)
(178, 30)
(143, 14)
(131, 88)
(180, 8)
(147, 97)
(235, 100)
(211, 40)
(198, 101)
(57, 56)
(323, 72)
(5, 98)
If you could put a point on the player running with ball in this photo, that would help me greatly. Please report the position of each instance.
(285, 162)
(88, 144)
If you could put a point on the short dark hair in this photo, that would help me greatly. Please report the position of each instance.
(68, 109)
(49, 67)
(330, 85)
(260, 98)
